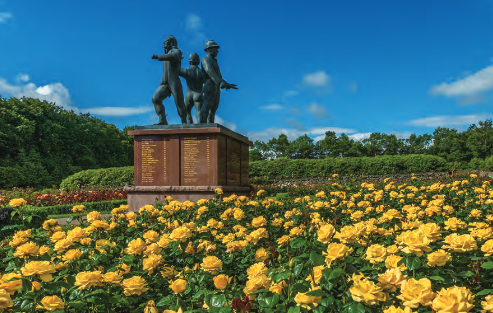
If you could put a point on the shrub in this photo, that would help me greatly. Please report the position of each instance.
(101, 206)
(113, 176)
(7, 221)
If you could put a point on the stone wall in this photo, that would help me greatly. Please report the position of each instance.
(396, 177)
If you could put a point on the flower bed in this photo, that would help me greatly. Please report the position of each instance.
(51, 197)
(409, 247)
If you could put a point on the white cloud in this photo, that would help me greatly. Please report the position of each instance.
(292, 133)
(272, 107)
(119, 111)
(5, 16)
(359, 136)
(449, 120)
(194, 26)
(468, 88)
(23, 78)
(317, 79)
(317, 110)
(54, 92)
(227, 124)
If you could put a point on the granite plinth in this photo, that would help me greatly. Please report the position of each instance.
(197, 158)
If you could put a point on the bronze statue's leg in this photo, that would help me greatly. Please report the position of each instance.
(177, 91)
(209, 96)
(189, 106)
(198, 100)
(162, 92)
(215, 105)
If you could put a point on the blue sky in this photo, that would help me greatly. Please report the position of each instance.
(352, 66)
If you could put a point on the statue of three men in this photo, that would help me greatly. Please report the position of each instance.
(203, 84)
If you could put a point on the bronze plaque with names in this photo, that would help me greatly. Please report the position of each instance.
(233, 162)
(196, 167)
(152, 161)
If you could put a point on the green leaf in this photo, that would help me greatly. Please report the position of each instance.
(316, 259)
(298, 243)
(356, 308)
(487, 265)
(466, 274)
(316, 293)
(218, 301)
(336, 273)
(128, 259)
(282, 276)
(327, 301)
(485, 292)
(297, 269)
(70, 219)
(77, 304)
(26, 285)
(413, 263)
(26, 305)
(165, 301)
(437, 278)
(295, 309)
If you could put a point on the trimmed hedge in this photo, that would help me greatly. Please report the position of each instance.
(102, 206)
(379, 165)
(113, 176)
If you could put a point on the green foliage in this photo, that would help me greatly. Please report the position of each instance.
(114, 176)
(33, 218)
(101, 206)
(41, 143)
(346, 166)
(488, 163)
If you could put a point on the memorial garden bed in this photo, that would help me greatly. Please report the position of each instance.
(397, 247)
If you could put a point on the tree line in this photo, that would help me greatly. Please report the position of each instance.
(473, 145)
(42, 143)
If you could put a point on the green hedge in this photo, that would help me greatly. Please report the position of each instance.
(38, 217)
(113, 176)
(379, 165)
(90, 206)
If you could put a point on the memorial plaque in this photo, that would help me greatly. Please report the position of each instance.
(196, 160)
(245, 158)
(233, 162)
(221, 160)
(152, 161)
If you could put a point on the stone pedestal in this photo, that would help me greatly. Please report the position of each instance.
(187, 162)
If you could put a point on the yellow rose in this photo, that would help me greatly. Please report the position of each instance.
(168, 272)
(79, 209)
(112, 278)
(43, 269)
(392, 279)
(393, 309)
(335, 251)
(219, 191)
(57, 236)
(151, 307)
(51, 303)
(238, 214)
(88, 279)
(277, 288)
(325, 233)
(93, 216)
(317, 274)
(257, 269)
(259, 221)
(488, 303)
(258, 234)
(152, 262)
(85, 241)
(303, 300)
(439, 257)
(76, 234)
(255, 283)
(348, 234)
(261, 255)
(134, 286)
(487, 248)
(9, 284)
(72, 254)
(178, 286)
(416, 242)
(376, 254)
(221, 281)
(151, 236)
(453, 299)
(392, 249)
(36, 286)
(123, 268)
(153, 248)
(431, 231)
(136, 247)
(63, 245)
(415, 292)
(460, 243)
(364, 290)
(100, 225)
(17, 202)
(283, 240)
(5, 300)
(180, 234)
(454, 223)
(211, 264)
(482, 233)
(26, 250)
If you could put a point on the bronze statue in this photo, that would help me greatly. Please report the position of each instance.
(213, 83)
(195, 79)
(171, 84)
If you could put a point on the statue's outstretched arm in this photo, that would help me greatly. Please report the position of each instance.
(183, 73)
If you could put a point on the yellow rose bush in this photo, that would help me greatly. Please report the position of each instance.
(346, 247)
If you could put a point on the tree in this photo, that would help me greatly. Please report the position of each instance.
(279, 146)
(416, 144)
(302, 148)
(480, 139)
(327, 146)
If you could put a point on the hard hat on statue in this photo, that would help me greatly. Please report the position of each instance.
(194, 57)
(211, 44)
